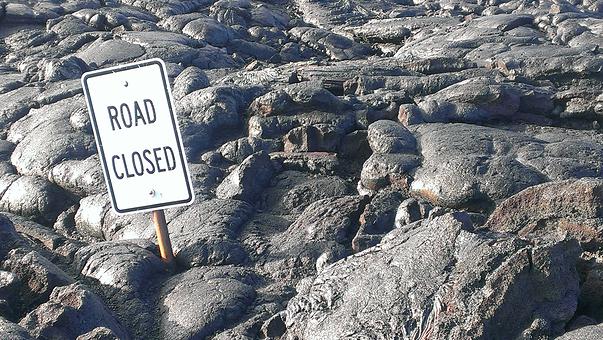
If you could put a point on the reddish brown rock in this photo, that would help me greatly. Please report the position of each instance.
(572, 207)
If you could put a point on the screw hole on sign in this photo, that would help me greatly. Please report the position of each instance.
(126, 84)
(152, 192)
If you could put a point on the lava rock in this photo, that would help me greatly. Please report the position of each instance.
(104, 53)
(190, 307)
(463, 149)
(189, 80)
(377, 219)
(588, 332)
(34, 197)
(336, 46)
(125, 271)
(570, 207)
(205, 234)
(320, 235)
(45, 138)
(524, 286)
(71, 311)
(9, 238)
(12, 331)
(39, 276)
(248, 180)
(81, 177)
(385, 136)
(236, 151)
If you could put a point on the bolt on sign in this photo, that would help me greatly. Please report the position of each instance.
(137, 135)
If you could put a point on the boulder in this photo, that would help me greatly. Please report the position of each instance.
(201, 301)
(12, 331)
(248, 180)
(125, 271)
(34, 197)
(71, 311)
(588, 332)
(206, 233)
(320, 235)
(570, 207)
(441, 280)
(189, 80)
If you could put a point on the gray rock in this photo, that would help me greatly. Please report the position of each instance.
(382, 170)
(39, 276)
(176, 23)
(205, 178)
(326, 14)
(12, 331)
(10, 238)
(154, 38)
(99, 333)
(9, 285)
(296, 98)
(377, 219)
(320, 235)
(236, 151)
(189, 80)
(355, 145)
(218, 107)
(41, 235)
(319, 137)
(248, 180)
(169, 7)
(410, 86)
(125, 271)
(210, 30)
(190, 307)
(588, 332)
(62, 69)
(10, 81)
(81, 177)
(254, 51)
(386, 136)
(71, 311)
(565, 158)
(68, 25)
(335, 46)
(21, 13)
(472, 101)
(382, 31)
(463, 150)
(206, 233)
(277, 126)
(503, 22)
(34, 197)
(231, 12)
(411, 210)
(292, 191)
(104, 53)
(16, 105)
(547, 62)
(90, 217)
(45, 138)
(524, 287)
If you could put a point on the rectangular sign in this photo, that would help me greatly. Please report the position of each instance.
(137, 135)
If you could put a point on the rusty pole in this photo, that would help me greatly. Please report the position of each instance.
(163, 237)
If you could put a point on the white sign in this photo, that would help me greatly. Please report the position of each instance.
(137, 135)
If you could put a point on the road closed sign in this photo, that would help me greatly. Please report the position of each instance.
(137, 135)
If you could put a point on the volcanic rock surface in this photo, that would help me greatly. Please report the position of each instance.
(388, 169)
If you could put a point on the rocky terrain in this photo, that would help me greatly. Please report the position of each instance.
(387, 169)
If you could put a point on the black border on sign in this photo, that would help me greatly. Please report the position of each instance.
(99, 143)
